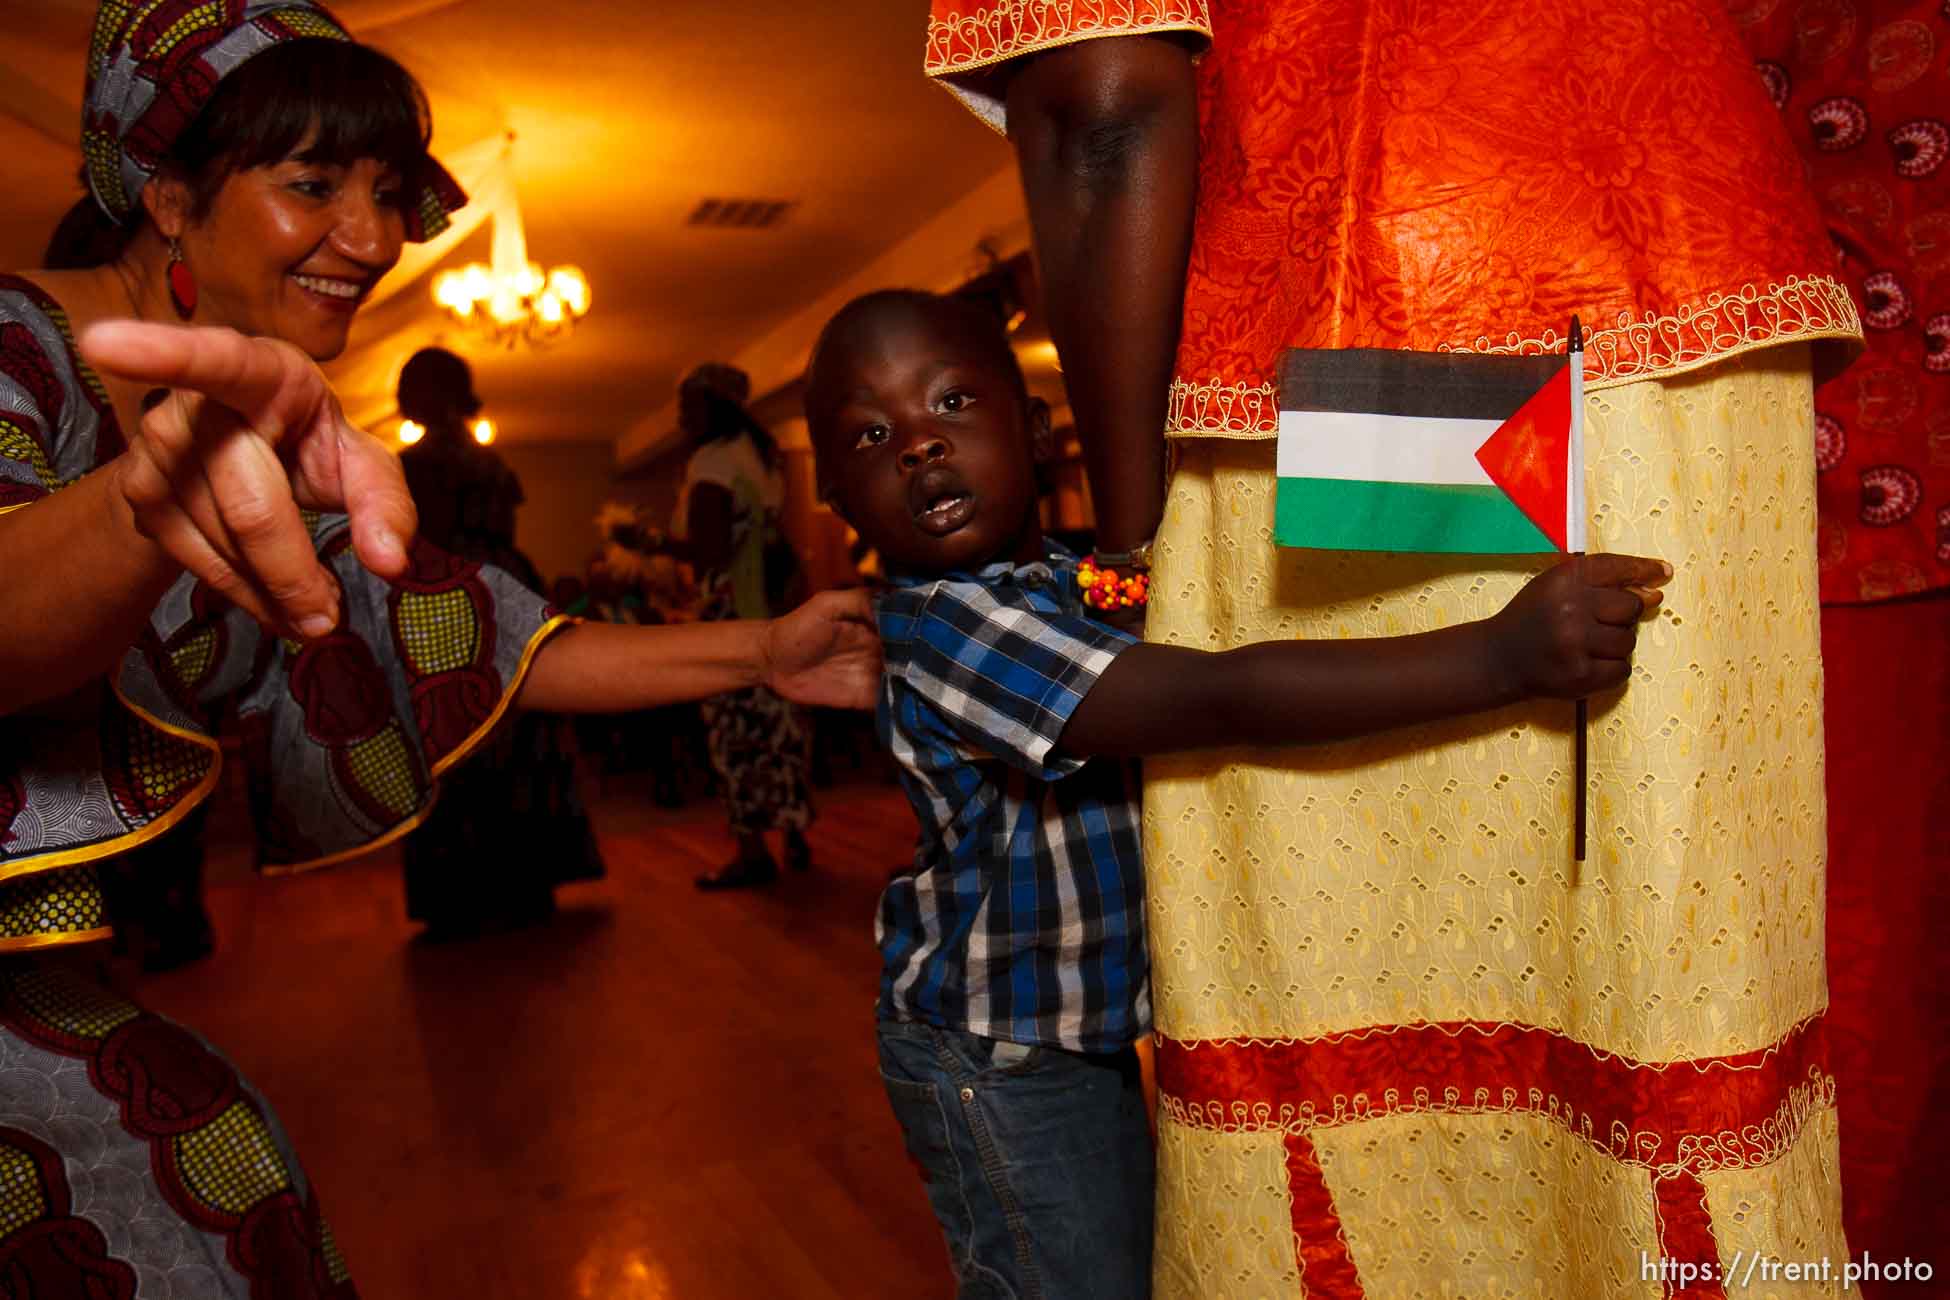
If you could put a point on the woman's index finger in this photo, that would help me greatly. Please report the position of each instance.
(248, 375)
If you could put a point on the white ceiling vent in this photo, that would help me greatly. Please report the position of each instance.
(740, 214)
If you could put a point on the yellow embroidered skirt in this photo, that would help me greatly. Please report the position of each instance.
(1408, 1047)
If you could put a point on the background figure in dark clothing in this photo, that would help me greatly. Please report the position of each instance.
(510, 825)
(727, 527)
(465, 492)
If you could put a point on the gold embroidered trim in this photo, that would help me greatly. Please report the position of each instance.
(1754, 1145)
(1219, 410)
(1724, 325)
(1632, 348)
(996, 33)
(453, 756)
(1484, 1028)
(1757, 1145)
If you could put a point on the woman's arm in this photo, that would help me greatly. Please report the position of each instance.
(1106, 134)
(1568, 633)
(214, 481)
(81, 581)
(826, 652)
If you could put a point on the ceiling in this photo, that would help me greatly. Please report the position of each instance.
(624, 117)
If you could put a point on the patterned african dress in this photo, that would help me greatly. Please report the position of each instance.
(1866, 99)
(133, 1159)
(760, 745)
(1407, 1046)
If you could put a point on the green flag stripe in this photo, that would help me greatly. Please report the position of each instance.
(1354, 515)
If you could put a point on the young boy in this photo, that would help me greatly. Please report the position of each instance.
(1014, 976)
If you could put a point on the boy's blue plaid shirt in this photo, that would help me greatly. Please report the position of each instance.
(1024, 917)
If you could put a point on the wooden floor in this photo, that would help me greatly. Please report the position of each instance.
(661, 1094)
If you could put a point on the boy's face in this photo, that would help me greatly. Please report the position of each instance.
(926, 443)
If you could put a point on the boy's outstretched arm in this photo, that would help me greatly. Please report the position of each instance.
(1568, 633)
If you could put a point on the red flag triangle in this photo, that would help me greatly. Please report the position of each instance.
(1529, 456)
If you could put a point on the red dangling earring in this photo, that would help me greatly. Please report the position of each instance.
(182, 285)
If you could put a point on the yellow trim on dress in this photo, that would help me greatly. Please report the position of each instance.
(141, 835)
(453, 756)
(184, 806)
(38, 942)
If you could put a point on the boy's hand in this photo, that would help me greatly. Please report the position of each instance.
(1571, 630)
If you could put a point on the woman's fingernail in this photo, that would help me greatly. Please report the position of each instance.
(1667, 566)
(315, 626)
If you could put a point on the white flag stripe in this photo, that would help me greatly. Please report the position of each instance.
(1368, 448)
(1575, 517)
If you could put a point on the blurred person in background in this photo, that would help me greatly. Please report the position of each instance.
(509, 826)
(726, 526)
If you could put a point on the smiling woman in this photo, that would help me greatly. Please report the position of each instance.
(276, 209)
(228, 543)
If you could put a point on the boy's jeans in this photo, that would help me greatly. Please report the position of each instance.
(1038, 1162)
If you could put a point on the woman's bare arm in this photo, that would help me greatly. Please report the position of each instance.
(1106, 134)
(81, 581)
(826, 652)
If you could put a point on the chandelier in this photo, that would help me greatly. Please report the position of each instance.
(511, 300)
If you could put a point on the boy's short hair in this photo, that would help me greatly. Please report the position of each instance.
(987, 326)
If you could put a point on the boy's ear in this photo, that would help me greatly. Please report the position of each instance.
(1042, 442)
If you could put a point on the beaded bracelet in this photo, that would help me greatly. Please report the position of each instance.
(1106, 589)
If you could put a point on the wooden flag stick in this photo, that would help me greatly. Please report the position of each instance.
(1581, 777)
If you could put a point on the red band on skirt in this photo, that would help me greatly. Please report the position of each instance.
(1677, 1119)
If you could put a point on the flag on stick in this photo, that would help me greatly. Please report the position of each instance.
(1447, 452)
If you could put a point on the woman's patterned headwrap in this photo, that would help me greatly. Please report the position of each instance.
(154, 64)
